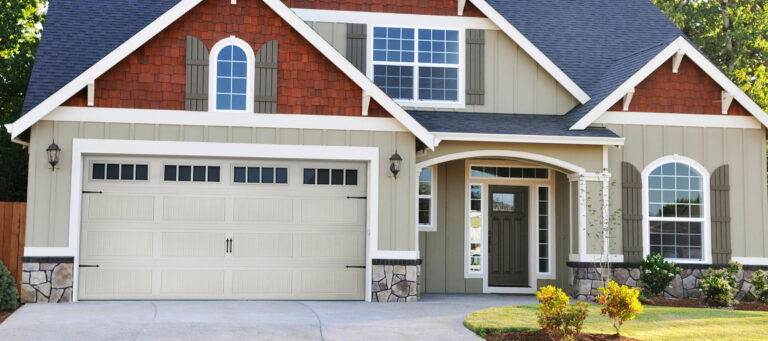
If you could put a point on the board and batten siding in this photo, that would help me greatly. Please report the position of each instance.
(743, 150)
(48, 192)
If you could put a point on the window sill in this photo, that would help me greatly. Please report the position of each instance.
(427, 228)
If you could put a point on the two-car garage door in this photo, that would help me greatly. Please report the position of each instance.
(166, 228)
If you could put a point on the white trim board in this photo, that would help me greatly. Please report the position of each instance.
(393, 19)
(106, 63)
(684, 120)
(228, 119)
(532, 50)
(751, 260)
(83, 147)
(608, 141)
(676, 46)
(548, 160)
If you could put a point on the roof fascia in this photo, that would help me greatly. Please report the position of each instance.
(352, 72)
(102, 66)
(678, 45)
(517, 138)
(574, 89)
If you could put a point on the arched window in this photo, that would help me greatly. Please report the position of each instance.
(232, 76)
(676, 210)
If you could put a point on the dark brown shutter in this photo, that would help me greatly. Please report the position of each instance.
(632, 212)
(265, 91)
(475, 67)
(356, 45)
(720, 188)
(196, 98)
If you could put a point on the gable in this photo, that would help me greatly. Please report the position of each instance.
(426, 7)
(689, 91)
(153, 76)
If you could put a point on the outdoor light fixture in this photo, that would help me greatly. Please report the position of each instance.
(53, 154)
(394, 163)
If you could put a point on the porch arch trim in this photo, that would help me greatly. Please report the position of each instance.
(502, 153)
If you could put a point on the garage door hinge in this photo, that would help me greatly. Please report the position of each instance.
(357, 197)
(92, 192)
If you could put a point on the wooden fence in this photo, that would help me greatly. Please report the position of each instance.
(13, 217)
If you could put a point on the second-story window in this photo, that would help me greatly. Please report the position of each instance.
(232, 75)
(418, 66)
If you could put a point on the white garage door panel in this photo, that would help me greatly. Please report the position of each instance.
(157, 239)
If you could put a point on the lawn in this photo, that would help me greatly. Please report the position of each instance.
(655, 323)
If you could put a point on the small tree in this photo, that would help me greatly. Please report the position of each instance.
(9, 295)
(561, 320)
(604, 221)
(620, 303)
(760, 282)
(656, 274)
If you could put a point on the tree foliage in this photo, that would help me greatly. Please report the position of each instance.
(732, 33)
(20, 27)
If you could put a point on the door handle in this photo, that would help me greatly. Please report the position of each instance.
(355, 266)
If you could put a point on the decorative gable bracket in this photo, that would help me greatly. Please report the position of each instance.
(91, 92)
(366, 102)
(628, 99)
(462, 4)
(727, 99)
(678, 59)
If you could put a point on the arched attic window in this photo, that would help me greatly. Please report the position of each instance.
(232, 73)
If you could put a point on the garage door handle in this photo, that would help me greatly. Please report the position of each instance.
(92, 192)
(357, 197)
(89, 266)
(355, 266)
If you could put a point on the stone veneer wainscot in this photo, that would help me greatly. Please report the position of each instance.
(46, 279)
(395, 280)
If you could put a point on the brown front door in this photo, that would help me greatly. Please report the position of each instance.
(508, 236)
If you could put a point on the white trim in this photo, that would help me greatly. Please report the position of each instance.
(151, 116)
(213, 73)
(510, 290)
(432, 196)
(512, 138)
(706, 240)
(467, 223)
(595, 258)
(417, 65)
(82, 147)
(49, 252)
(676, 46)
(503, 153)
(125, 49)
(751, 260)
(551, 274)
(380, 18)
(683, 120)
(532, 50)
(352, 72)
(103, 65)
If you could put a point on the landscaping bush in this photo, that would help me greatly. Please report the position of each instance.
(760, 282)
(656, 274)
(9, 295)
(620, 303)
(561, 320)
(719, 286)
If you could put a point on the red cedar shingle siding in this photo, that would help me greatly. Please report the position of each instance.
(426, 7)
(690, 91)
(153, 76)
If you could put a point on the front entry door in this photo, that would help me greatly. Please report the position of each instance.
(508, 236)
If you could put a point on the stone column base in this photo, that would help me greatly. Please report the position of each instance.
(586, 279)
(46, 279)
(395, 280)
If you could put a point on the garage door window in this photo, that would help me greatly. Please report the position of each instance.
(118, 171)
(324, 176)
(260, 175)
(186, 173)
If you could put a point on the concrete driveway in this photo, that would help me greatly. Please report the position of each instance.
(434, 317)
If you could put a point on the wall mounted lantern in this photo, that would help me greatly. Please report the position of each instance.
(394, 163)
(53, 154)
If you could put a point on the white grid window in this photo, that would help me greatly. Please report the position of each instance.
(543, 228)
(432, 77)
(475, 233)
(426, 197)
(231, 79)
(675, 210)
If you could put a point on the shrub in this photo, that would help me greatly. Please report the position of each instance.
(656, 274)
(719, 286)
(620, 303)
(760, 282)
(9, 295)
(557, 317)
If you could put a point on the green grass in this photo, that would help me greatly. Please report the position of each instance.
(655, 323)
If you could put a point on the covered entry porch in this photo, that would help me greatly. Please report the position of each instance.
(507, 217)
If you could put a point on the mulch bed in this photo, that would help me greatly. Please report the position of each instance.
(541, 335)
(4, 314)
(697, 303)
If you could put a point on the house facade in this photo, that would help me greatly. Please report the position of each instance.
(377, 150)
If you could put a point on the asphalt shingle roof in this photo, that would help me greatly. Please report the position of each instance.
(79, 33)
